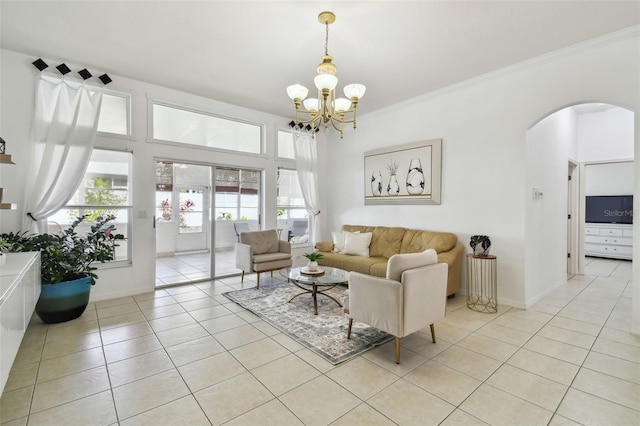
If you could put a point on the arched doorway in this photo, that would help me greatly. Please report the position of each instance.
(575, 137)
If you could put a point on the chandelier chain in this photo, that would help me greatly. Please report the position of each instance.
(326, 39)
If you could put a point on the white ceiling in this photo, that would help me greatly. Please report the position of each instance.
(247, 52)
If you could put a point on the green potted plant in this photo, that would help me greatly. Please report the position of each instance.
(67, 264)
(313, 260)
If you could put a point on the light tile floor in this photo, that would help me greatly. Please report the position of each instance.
(188, 267)
(187, 356)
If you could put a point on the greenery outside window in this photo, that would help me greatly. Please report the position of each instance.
(104, 190)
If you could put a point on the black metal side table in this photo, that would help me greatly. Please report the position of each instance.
(482, 283)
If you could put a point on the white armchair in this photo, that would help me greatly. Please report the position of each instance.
(412, 296)
(262, 251)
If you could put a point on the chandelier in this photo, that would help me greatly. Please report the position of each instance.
(325, 108)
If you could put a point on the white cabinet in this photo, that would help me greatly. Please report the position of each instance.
(608, 240)
(19, 292)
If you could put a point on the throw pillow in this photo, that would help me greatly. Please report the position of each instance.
(357, 244)
(338, 241)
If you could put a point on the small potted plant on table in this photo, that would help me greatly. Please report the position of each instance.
(313, 260)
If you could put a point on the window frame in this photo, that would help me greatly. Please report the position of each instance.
(128, 207)
(127, 96)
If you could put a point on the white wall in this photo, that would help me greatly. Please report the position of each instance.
(609, 178)
(17, 104)
(606, 135)
(483, 124)
(550, 144)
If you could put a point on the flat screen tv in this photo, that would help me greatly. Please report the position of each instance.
(609, 209)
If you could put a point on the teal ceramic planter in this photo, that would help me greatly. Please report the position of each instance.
(63, 301)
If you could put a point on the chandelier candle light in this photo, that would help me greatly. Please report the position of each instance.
(326, 108)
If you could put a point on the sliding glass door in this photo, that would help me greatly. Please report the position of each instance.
(236, 204)
(196, 209)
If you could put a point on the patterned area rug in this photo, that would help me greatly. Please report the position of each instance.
(325, 333)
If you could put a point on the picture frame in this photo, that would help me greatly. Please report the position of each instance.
(404, 174)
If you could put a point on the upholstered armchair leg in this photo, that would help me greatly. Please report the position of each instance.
(349, 329)
(433, 333)
(258, 279)
(397, 350)
(242, 279)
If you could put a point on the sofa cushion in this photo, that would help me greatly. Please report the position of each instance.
(357, 228)
(324, 246)
(350, 263)
(401, 262)
(379, 269)
(386, 241)
(416, 241)
(270, 257)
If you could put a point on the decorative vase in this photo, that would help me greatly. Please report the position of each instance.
(63, 301)
(480, 245)
(415, 178)
(376, 183)
(393, 188)
(312, 266)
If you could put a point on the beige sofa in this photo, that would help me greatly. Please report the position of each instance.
(387, 241)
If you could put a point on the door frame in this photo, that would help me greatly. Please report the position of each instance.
(574, 247)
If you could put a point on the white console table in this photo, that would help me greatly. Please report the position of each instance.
(19, 292)
(608, 240)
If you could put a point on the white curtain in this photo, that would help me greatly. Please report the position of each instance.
(304, 147)
(63, 134)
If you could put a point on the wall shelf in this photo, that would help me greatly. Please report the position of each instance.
(6, 159)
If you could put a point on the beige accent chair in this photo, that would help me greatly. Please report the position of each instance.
(262, 251)
(412, 296)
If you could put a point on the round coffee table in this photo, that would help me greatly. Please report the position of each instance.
(312, 283)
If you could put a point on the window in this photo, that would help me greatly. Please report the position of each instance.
(285, 145)
(114, 114)
(292, 213)
(105, 189)
(237, 195)
(173, 124)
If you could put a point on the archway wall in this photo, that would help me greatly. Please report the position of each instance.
(597, 140)
(483, 124)
(550, 144)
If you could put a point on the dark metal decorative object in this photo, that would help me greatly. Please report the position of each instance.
(63, 69)
(105, 79)
(84, 73)
(480, 245)
(40, 64)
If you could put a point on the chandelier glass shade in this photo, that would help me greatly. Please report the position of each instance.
(326, 108)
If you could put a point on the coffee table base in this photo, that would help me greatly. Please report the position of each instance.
(314, 293)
